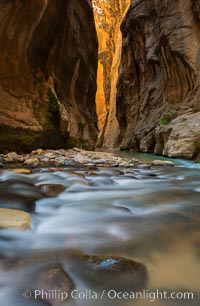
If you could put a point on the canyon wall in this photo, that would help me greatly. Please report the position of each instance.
(158, 89)
(48, 64)
(108, 17)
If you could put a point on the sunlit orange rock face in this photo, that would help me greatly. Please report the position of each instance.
(108, 17)
(101, 108)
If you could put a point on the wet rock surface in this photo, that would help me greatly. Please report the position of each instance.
(51, 190)
(22, 170)
(18, 193)
(15, 219)
(55, 279)
(111, 272)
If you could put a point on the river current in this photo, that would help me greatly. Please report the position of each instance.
(149, 215)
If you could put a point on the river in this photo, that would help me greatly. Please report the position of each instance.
(149, 215)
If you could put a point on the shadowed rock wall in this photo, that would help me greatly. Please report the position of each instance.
(158, 90)
(48, 64)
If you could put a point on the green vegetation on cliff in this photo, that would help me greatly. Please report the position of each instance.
(166, 118)
(54, 109)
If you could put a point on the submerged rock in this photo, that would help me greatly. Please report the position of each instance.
(102, 181)
(54, 278)
(10, 218)
(16, 192)
(111, 271)
(51, 190)
(17, 202)
(22, 170)
(39, 284)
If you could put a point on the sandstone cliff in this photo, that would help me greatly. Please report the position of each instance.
(158, 90)
(48, 63)
(108, 17)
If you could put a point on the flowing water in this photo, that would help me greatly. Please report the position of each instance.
(150, 215)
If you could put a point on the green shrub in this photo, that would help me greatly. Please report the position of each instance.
(166, 118)
(54, 108)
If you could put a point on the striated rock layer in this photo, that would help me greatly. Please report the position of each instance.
(108, 17)
(158, 90)
(48, 64)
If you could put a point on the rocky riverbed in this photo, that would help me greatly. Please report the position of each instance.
(75, 157)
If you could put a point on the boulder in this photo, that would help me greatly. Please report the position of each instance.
(51, 190)
(162, 163)
(111, 272)
(180, 138)
(22, 171)
(33, 162)
(11, 157)
(81, 159)
(54, 278)
(14, 219)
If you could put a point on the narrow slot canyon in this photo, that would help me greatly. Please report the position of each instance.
(99, 152)
(108, 17)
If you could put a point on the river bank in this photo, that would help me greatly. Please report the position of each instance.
(75, 157)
